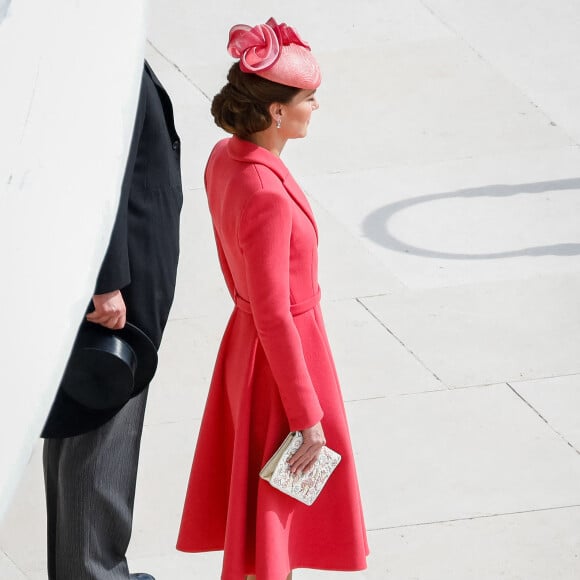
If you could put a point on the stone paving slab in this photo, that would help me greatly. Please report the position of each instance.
(23, 528)
(557, 400)
(458, 454)
(370, 361)
(538, 545)
(198, 259)
(487, 333)
(534, 45)
(185, 366)
(471, 110)
(8, 569)
(162, 482)
(357, 271)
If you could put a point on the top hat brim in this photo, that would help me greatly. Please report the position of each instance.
(86, 400)
(145, 352)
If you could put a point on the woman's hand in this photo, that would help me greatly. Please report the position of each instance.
(110, 310)
(308, 452)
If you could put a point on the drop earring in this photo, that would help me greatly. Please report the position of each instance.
(278, 123)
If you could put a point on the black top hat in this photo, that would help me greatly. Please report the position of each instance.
(105, 369)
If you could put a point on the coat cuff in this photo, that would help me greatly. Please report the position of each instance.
(307, 419)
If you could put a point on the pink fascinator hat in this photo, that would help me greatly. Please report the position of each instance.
(275, 52)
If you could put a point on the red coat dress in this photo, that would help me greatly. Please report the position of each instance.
(274, 373)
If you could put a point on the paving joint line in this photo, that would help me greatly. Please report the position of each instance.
(179, 70)
(337, 299)
(482, 517)
(7, 556)
(490, 63)
(451, 29)
(443, 389)
(548, 377)
(400, 342)
(542, 418)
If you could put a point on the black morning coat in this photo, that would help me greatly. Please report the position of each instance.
(141, 259)
(142, 256)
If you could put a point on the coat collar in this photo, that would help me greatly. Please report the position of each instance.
(248, 152)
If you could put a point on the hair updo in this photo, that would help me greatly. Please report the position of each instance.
(241, 107)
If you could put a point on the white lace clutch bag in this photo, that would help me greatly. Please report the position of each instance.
(305, 487)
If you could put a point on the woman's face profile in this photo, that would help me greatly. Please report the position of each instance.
(296, 114)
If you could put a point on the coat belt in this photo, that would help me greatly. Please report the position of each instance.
(295, 309)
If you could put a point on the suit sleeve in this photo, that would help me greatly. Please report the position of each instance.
(115, 272)
(264, 237)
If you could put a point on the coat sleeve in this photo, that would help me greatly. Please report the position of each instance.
(264, 236)
(115, 272)
(227, 273)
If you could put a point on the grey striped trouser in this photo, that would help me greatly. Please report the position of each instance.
(90, 492)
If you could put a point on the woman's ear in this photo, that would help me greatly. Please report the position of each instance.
(275, 110)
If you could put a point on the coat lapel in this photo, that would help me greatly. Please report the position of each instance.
(167, 105)
(246, 151)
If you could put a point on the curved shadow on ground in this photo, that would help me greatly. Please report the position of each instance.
(376, 224)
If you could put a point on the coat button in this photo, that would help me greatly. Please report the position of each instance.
(175, 145)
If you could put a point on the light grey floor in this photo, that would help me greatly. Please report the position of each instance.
(444, 170)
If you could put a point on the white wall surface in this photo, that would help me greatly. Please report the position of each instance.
(70, 74)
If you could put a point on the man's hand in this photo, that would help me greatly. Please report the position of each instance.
(110, 310)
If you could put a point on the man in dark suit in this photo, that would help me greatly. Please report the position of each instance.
(90, 478)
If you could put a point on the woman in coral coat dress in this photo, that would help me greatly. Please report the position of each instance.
(274, 371)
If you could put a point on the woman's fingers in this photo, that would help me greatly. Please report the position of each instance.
(307, 454)
(305, 463)
(303, 458)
